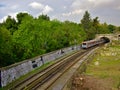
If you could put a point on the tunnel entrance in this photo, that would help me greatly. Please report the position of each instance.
(118, 37)
(106, 39)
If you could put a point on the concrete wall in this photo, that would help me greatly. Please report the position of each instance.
(110, 36)
(12, 72)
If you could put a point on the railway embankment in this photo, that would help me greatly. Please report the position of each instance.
(100, 72)
(13, 72)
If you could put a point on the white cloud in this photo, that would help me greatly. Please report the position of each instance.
(67, 14)
(64, 7)
(13, 15)
(47, 9)
(75, 12)
(82, 4)
(100, 1)
(14, 6)
(90, 4)
(75, 4)
(118, 8)
(36, 5)
(3, 19)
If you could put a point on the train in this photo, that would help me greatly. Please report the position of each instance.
(91, 43)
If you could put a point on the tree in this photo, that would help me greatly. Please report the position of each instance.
(21, 16)
(111, 28)
(96, 25)
(25, 38)
(117, 30)
(5, 47)
(103, 28)
(35, 36)
(86, 21)
(10, 24)
(44, 17)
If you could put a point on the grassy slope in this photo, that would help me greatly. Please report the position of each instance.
(106, 64)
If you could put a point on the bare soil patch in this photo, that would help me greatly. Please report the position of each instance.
(86, 82)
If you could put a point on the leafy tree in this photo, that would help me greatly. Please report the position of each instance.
(74, 32)
(5, 47)
(24, 37)
(103, 29)
(10, 24)
(96, 25)
(44, 17)
(29, 37)
(117, 30)
(86, 23)
(111, 28)
(21, 16)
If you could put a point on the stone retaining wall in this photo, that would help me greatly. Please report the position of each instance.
(13, 72)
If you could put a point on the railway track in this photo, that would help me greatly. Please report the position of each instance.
(50, 84)
(36, 81)
(24, 83)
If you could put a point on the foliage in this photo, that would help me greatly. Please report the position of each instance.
(96, 25)
(86, 21)
(21, 16)
(27, 36)
(5, 47)
(93, 26)
(111, 28)
(10, 24)
(39, 37)
(44, 17)
(90, 26)
(103, 29)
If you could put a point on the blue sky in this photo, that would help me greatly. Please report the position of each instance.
(72, 10)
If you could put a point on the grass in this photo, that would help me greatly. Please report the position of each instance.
(106, 64)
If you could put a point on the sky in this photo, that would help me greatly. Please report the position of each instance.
(73, 10)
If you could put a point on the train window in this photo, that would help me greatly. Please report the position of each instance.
(84, 43)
